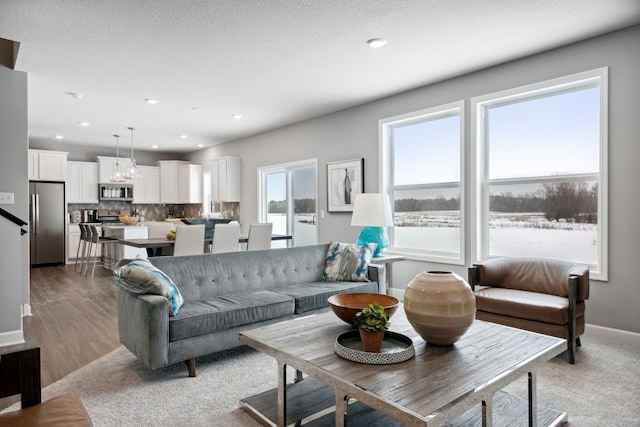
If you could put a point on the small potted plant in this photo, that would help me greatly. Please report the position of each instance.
(372, 321)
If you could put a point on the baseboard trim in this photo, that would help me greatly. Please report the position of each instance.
(615, 334)
(11, 338)
(26, 310)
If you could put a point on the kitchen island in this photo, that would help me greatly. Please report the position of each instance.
(121, 231)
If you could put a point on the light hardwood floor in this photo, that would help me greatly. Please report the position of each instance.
(73, 322)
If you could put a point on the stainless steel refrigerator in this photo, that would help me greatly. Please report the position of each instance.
(46, 222)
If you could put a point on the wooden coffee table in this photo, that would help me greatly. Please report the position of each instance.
(453, 386)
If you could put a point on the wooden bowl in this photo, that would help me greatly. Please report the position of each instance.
(345, 306)
(128, 220)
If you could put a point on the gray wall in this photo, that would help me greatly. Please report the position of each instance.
(353, 133)
(13, 179)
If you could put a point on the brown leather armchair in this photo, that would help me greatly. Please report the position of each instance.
(20, 374)
(539, 295)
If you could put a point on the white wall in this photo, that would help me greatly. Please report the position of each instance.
(14, 248)
(353, 133)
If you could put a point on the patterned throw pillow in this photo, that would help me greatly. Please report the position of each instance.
(141, 277)
(348, 261)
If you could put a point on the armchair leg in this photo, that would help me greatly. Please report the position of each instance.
(571, 351)
(191, 366)
(578, 343)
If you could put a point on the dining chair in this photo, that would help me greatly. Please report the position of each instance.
(259, 236)
(189, 240)
(226, 238)
(158, 229)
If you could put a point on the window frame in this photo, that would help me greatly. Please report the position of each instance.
(386, 127)
(480, 182)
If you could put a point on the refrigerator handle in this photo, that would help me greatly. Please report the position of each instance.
(36, 213)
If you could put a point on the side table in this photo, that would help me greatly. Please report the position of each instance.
(388, 261)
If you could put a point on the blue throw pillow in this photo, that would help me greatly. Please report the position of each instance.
(348, 262)
(141, 277)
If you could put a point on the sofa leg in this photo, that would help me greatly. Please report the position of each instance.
(191, 366)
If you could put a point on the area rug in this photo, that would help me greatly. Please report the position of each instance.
(601, 389)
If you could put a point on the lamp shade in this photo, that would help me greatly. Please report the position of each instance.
(372, 209)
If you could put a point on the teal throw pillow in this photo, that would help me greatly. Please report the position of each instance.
(141, 277)
(348, 262)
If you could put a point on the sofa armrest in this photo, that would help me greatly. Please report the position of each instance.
(378, 273)
(143, 326)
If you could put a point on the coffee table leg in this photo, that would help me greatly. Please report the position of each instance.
(533, 401)
(282, 394)
(341, 408)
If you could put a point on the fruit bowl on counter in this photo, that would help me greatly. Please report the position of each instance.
(128, 220)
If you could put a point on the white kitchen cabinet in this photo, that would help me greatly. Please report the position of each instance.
(47, 165)
(105, 167)
(147, 189)
(169, 180)
(190, 184)
(82, 182)
(126, 232)
(225, 179)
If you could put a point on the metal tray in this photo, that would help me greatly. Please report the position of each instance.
(396, 348)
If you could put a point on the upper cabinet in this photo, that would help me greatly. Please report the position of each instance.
(225, 179)
(190, 184)
(47, 165)
(105, 167)
(180, 182)
(146, 190)
(82, 182)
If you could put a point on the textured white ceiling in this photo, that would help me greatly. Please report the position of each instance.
(274, 61)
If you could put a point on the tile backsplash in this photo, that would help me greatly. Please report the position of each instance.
(160, 212)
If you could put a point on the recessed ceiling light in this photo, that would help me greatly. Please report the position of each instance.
(197, 108)
(75, 95)
(183, 136)
(151, 101)
(84, 123)
(237, 116)
(376, 43)
(58, 136)
(155, 147)
(200, 145)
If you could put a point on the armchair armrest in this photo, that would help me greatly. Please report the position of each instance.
(143, 326)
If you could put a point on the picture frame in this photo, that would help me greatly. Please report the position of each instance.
(345, 179)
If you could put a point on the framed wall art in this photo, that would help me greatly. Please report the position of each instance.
(345, 179)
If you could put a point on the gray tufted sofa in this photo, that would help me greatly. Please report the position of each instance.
(225, 294)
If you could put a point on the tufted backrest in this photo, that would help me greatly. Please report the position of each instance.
(533, 274)
(209, 275)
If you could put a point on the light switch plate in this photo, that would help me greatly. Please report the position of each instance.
(6, 199)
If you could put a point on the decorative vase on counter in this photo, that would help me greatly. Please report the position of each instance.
(440, 306)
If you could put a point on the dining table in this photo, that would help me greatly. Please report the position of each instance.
(155, 245)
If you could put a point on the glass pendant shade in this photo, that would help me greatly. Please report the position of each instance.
(132, 170)
(117, 174)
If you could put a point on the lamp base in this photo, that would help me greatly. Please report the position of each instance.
(377, 235)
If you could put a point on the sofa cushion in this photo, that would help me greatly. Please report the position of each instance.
(348, 261)
(141, 277)
(228, 311)
(526, 305)
(312, 296)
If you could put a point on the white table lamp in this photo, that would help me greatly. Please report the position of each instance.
(373, 212)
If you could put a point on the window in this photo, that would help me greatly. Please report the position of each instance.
(423, 174)
(287, 198)
(541, 163)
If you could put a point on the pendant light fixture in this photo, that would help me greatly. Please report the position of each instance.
(117, 175)
(132, 171)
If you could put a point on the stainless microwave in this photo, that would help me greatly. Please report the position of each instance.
(116, 192)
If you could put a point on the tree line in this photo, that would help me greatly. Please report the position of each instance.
(300, 206)
(569, 201)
